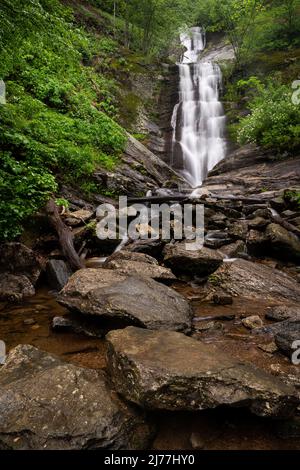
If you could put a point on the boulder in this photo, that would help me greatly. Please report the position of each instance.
(238, 230)
(283, 312)
(234, 250)
(258, 223)
(198, 262)
(168, 370)
(16, 258)
(58, 273)
(140, 264)
(257, 243)
(284, 244)
(131, 299)
(47, 404)
(254, 281)
(150, 247)
(15, 288)
(252, 322)
(286, 337)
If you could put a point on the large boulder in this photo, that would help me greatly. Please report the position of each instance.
(140, 264)
(284, 244)
(255, 281)
(48, 404)
(168, 370)
(134, 300)
(193, 262)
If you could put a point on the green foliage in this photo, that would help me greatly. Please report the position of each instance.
(58, 119)
(293, 198)
(274, 121)
(62, 203)
(23, 188)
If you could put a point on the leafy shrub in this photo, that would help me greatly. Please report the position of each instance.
(274, 119)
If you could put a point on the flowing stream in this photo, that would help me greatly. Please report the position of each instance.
(198, 119)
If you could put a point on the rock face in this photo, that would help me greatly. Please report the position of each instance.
(200, 262)
(254, 280)
(138, 264)
(134, 300)
(48, 404)
(168, 370)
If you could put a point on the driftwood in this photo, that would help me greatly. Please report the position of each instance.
(65, 236)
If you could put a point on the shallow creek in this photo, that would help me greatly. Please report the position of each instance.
(225, 428)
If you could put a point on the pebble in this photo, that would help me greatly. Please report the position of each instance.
(29, 321)
(252, 322)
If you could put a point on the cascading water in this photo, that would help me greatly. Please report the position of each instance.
(198, 119)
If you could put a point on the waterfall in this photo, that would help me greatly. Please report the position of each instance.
(198, 119)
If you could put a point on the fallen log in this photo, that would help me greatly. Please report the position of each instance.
(65, 236)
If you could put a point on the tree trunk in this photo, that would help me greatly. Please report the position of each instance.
(65, 236)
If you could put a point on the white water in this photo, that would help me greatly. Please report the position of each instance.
(198, 119)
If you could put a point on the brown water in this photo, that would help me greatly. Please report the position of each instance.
(222, 428)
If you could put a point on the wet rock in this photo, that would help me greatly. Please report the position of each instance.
(258, 223)
(58, 273)
(287, 336)
(296, 221)
(252, 322)
(198, 262)
(257, 243)
(254, 281)
(139, 301)
(269, 348)
(17, 259)
(218, 220)
(283, 312)
(279, 327)
(221, 298)
(48, 404)
(70, 323)
(15, 288)
(278, 203)
(264, 213)
(285, 245)
(205, 326)
(149, 247)
(234, 250)
(168, 370)
(138, 264)
(238, 230)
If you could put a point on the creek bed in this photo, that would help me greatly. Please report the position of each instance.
(223, 428)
